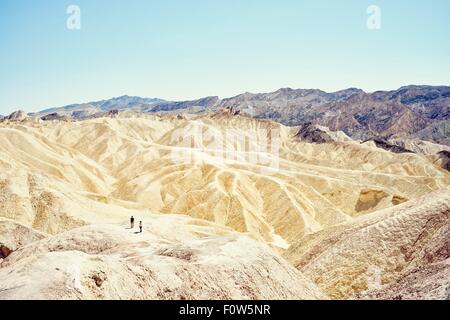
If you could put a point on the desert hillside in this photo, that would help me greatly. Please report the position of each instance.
(175, 258)
(407, 241)
(214, 201)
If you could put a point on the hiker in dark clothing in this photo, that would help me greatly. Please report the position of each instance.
(140, 226)
(132, 222)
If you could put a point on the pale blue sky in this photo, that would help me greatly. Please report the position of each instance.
(180, 49)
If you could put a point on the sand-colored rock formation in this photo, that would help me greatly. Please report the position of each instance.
(174, 258)
(400, 252)
(430, 282)
(68, 181)
(14, 235)
(59, 175)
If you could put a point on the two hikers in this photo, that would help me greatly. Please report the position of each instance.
(132, 224)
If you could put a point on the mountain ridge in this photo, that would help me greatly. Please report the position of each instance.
(412, 112)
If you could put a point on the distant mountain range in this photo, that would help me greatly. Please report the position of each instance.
(421, 112)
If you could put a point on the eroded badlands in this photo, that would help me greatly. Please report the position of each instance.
(222, 218)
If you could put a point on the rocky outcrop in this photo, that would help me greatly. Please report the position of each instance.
(316, 134)
(54, 117)
(18, 115)
(383, 144)
(4, 251)
(312, 134)
(419, 146)
(444, 157)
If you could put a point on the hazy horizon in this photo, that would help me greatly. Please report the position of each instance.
(184, 51)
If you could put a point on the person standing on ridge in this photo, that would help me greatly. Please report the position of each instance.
(140, 226)
(132, 222)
